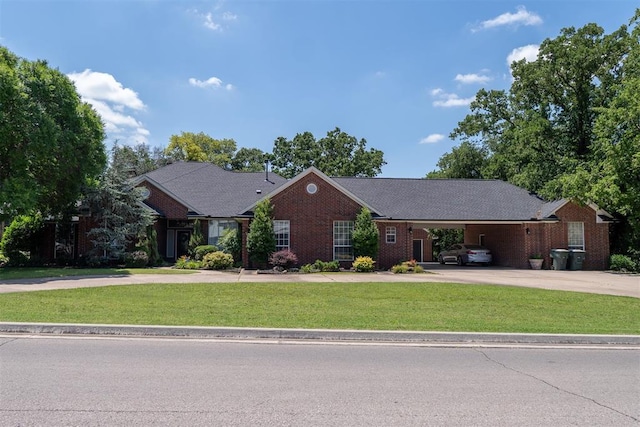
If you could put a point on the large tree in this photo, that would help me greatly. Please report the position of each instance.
(249, 160)
(117, 209)
(542, 128)
(337, 154)
(50, 141)
(200, 147)
(567, 127)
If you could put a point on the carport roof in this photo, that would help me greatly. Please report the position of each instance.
(446, 199)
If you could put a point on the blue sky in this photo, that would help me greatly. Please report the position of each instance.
(400, 74)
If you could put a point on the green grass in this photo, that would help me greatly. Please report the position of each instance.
(379, 306)
(8, 273)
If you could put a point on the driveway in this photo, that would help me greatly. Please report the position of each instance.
(598, 282)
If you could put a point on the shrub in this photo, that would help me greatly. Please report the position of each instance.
(326, 266)
(365, 235)
(400, 269)
(196, 239)
(186, 263)
(622, 263)
(217, 261)
(308, 268)
(418, 269)
(284, 259)
(200, 251)
(21, 239)
(363, 264)
(137, 259)
(231, 243)
(3, 260)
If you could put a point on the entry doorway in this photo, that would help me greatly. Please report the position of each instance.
(418, 250)
(182, 243)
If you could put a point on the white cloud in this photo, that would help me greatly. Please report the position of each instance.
(521, 17)
(432, 139)
(111, 100)
(212, 82)
(447, 100)
(228, 16)
(528, 52)
(472, 78)
(215, 22)
(210, 24)
(103, 86)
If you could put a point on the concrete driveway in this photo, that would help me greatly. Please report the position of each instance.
(599, 282)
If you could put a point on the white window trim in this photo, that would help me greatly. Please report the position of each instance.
(287, 226)
(572, 244)
(391, 232)
(350, 225)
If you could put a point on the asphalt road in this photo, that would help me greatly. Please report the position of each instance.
(115, 381)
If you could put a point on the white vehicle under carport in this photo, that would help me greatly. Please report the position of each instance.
(463, 254)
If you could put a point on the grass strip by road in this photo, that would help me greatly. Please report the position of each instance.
(376, 306)
(8, 273)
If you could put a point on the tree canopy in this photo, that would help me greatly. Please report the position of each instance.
(50, 141)
(337, 154)
(200, 147)
(567, 127)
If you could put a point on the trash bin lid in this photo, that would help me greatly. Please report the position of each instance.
(576, 250)
(559, 250)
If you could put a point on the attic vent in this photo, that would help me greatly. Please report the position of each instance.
(258, 191)
(312, 188)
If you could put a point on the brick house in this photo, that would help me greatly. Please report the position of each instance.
(314, 214)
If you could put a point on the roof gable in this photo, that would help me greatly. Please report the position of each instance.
(210, 191)
(313, 170)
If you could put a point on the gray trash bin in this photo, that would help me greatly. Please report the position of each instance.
(559, 258)
(576, 259)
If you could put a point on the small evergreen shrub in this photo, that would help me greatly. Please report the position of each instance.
(363, 264)
(200, 251)
(283, 259)
(217, 261)
(186, 263)
(137, 259)
(622, 263)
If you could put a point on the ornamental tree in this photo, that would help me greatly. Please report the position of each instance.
(365, 235)
(261, 240)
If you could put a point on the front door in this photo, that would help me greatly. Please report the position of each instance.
(182, 243)
(417, 250)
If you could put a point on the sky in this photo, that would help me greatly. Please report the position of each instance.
(400, 74)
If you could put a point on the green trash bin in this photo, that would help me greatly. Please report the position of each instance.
(559, 258)
(576, 259)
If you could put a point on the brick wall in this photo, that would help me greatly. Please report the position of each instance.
(311, 217)
(512, 245)
(164, 204)
(506, 242)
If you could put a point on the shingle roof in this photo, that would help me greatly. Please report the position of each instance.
(212, 191)
(215, 192)
(445, 199)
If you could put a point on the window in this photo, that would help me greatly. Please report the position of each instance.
(391, 234)
(576, 235)
(217, 227)
(342, 240)
(281, 228)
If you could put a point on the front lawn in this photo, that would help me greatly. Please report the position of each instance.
(10, 273)
(378, 306)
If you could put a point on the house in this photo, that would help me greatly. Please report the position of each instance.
(314, 215)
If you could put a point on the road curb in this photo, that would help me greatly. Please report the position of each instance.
(316, 334)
